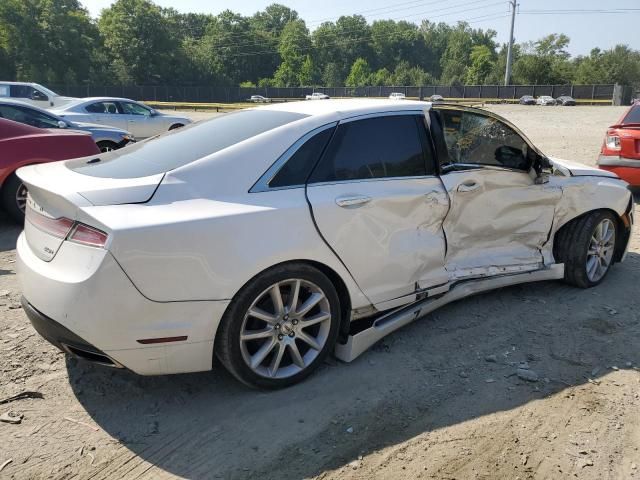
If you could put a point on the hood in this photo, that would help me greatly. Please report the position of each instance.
(94, 127)
(579, 170)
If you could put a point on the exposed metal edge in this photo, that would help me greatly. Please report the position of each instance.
(357, 344)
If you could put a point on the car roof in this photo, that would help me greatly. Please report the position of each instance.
(17, 83)
(11, 101)
(347, 107)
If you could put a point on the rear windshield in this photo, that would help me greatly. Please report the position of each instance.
(183, 146)
(633, 116)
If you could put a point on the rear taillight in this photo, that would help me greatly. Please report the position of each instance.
(86, 235)
(613, 142)
(67, 229)
(58, 227)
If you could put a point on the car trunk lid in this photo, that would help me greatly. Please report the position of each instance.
(58, 196)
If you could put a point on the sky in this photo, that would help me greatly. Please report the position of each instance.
(586, 30)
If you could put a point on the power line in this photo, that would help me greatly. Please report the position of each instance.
(480, 18)
(347, 32)
(579, 12)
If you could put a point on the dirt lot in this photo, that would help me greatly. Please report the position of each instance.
(438, 399)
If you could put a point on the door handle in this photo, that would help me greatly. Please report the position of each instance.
(353, 201)
(468, 186)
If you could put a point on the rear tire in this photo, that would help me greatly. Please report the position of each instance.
(266, 339)
(586, 246)
(14, 198)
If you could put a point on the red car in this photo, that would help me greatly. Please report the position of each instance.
(22, 145)
(621, 148)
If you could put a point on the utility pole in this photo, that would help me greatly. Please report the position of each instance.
(507, 75)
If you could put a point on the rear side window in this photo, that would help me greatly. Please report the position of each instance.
(299, 166)
(380, 147)
(180, 147)
(633, 116)
(4, 90)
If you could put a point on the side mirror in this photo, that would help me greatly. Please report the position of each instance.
(509, 156)
(62, 124)
(153, 112)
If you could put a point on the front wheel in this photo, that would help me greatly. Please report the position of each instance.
(279, 327)
(176, 125)
(587, 246)
(14, 198)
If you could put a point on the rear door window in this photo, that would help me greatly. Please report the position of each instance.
(20, 91)
(4, 90)
(380, 147)
(102, 107)
(180, 147)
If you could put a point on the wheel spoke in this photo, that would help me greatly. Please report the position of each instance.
(309, 340)
(319, 318)
(262, 352)
(295, 354)
(277, 359)
(249, 335)
(276, 298)
(592, 265)
(311, 302)
(295, 293)
(262, 315)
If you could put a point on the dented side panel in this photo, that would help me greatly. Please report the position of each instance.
(498, 218)
(387, 232)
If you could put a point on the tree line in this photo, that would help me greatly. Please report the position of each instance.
(138, 42)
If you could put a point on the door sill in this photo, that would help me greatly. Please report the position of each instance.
(360, 342)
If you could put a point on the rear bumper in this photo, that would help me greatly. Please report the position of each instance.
(628, 169)
(82, 299)
(65, 339)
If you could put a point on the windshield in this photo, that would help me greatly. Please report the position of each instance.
(45, 90)
(633, 116)
(180, 147)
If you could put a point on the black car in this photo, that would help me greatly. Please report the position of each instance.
(565, 100)
(527, 100)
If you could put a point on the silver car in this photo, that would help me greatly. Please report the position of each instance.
(107, 138)
(136, 117)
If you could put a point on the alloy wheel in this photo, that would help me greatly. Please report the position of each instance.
(601, 248)
(285, 328)
(21, 197)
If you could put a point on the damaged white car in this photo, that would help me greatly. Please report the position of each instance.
(272, 237)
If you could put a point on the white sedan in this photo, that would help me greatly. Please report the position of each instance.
(271, 237)
(317, 96)
(135, 117)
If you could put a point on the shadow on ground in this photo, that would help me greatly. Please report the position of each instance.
(9, 232)
(431, 374)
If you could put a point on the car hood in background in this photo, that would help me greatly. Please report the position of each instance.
(94, 127)
(580, 170)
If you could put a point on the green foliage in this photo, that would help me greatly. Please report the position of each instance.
(359, 74)
(139, 42)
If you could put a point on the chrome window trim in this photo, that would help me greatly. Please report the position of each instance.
(388, 113)
(262, 185)
(361, 180)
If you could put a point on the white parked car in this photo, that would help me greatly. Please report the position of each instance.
(259, 99)
(135, 117)
(545, 100)
(317, 96)
(261, 237)
(397, 96)
(33, 93)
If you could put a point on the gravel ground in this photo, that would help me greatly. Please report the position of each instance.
(440, 398)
